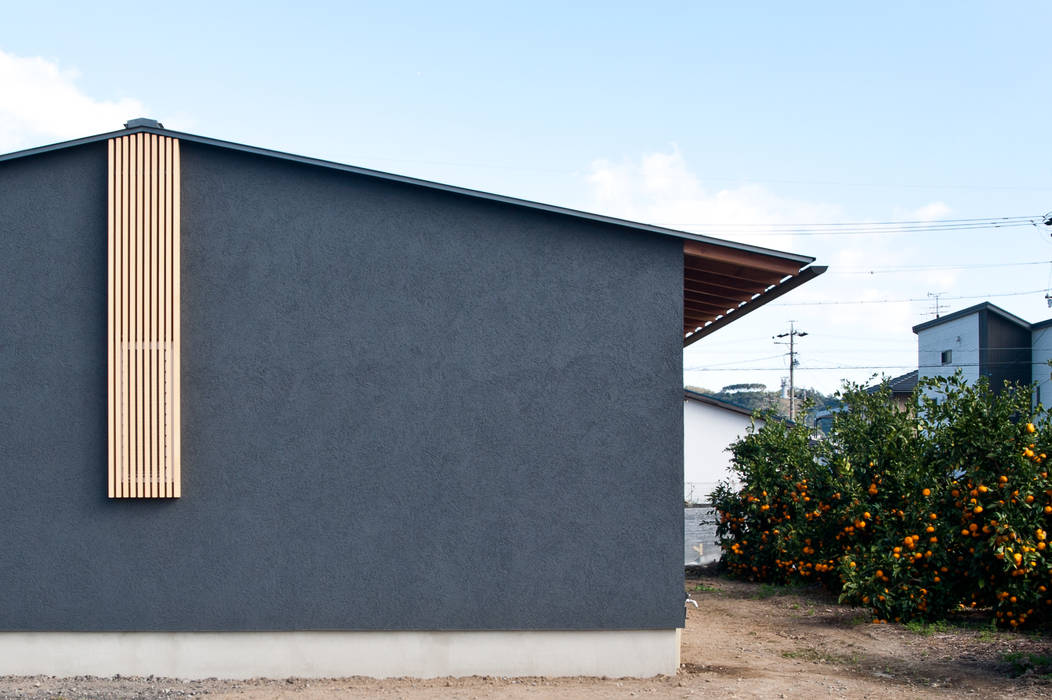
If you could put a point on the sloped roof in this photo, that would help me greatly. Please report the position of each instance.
(722, 280)
(902, 384)
(718, 403)
(984, 306)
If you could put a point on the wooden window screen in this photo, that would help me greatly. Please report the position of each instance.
(143, 317)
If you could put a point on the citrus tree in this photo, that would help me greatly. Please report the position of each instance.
(911, 511)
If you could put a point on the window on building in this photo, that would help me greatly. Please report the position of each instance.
(947, 357)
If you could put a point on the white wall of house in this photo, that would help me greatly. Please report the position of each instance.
(707, 433)
(1041, 341)
(961, 338)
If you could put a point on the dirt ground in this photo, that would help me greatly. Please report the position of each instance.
(744, 640)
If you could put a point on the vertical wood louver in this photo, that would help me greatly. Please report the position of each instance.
(143, 317)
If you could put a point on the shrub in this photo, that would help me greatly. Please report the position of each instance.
(910, 512)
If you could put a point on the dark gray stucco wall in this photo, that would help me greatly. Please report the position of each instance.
(402, 409)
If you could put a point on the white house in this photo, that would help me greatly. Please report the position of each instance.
(709, 428)
(1041, 355)
(985, 340)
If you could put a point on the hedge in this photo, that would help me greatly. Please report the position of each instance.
(911, 512)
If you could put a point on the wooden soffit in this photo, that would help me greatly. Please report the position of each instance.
(723, 283)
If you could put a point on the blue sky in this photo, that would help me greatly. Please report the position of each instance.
(700, 116)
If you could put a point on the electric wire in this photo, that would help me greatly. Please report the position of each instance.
(717, 232)
(803, 367)
(901, 301)
(912, 226)
(890, 269)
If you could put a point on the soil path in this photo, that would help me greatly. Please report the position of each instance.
(743, 641)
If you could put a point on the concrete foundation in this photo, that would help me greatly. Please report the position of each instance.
(638, 653)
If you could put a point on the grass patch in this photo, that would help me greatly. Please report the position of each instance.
(928, 628)
(703, 588)
(821, 657)
(769, 590)
(1029, 663)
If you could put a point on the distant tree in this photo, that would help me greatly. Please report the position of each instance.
(755, 397)
(733, 388)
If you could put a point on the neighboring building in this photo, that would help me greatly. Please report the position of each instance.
(710, 426)
(270, 415)
(985, 340)
(901, 388)
(1041, 355)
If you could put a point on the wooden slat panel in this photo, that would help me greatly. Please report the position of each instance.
(142, 323)
(175, 342)
(153, 339)
(144, 352)
(111, 346)
(125, 437)
(137, 316)
(165, 290)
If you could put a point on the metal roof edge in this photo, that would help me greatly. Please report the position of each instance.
(977, 308)
(1041, 325)
(718, 403)
(405, 179)
(73, 143)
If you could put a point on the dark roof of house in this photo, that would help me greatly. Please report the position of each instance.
(985, 306)
(1040, 324)
(903, 384)
(722, 280)
(718, 403)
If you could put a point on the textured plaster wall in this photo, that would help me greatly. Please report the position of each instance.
(402, 409)
(961, 336)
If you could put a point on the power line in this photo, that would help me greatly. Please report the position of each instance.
(857, 351)
(885, 223)
(913, 268)
(901, 301)
(863, 228)
(837, 227)
(879, 185)
(876, 231)
(751, 359)
(732, 179)
(857, 367)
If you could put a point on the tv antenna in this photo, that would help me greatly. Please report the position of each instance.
(936, 308)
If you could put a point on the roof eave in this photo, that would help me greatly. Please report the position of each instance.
(770, 294)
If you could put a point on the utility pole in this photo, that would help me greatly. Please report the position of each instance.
(793, 334)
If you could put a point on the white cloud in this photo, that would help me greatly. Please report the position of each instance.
(41, 103)
(932, 211)
(659, 188)
(927, 212)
